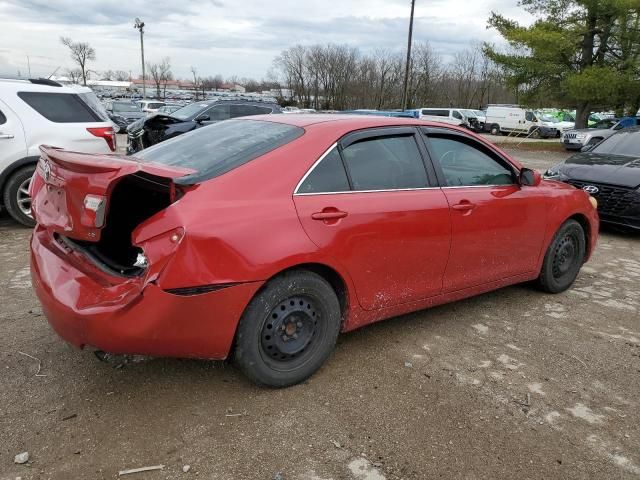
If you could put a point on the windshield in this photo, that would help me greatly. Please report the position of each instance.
(549, 118)
(479, 113)
(221, 147)
(125, 107)
(190, 111)
(622, 143)
(469, 113)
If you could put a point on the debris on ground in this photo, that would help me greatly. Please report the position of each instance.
(278, 476)
(21, 458)
(38, 374)
(138, 470)
(336, 444)
(408, 364)
(186, 468)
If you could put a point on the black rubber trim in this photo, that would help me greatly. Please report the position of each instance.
(199, 290)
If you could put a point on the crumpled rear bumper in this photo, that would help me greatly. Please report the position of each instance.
(89, 309)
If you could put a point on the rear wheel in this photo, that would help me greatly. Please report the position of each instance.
(16, 196)
(288, 330)
(563, 259)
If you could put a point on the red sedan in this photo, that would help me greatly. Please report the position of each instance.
(265, 237)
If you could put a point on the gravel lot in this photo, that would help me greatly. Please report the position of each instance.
(511, 384)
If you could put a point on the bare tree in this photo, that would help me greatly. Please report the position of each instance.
(160, 74)
(121, 76)
(194, 72)
(81, 53)
(74, 74)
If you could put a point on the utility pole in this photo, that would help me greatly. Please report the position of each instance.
(405, 91)
(140, 26)
(29, 65)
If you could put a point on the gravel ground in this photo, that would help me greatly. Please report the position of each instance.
(511, 384)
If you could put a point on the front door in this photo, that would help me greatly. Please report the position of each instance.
(380, 218)
(497, 226)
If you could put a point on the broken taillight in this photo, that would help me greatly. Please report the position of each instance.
(107, 133)
(94, 210)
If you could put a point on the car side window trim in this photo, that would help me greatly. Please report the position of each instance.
(370, 134)
(427, 131)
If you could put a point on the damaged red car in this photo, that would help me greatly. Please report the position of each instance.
(263, 238)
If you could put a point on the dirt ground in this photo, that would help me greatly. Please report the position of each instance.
(511, 384)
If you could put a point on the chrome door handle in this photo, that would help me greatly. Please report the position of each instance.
(5, 136)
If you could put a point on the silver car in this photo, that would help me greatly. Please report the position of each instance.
(576, 139)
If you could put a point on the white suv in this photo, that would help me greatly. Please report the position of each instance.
(43, 112)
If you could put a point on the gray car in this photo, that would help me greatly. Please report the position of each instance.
(576, 139)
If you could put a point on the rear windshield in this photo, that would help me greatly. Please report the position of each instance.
(60, 107)
(221, 147)
(622, 143)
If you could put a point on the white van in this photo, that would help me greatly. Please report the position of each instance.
(452, 116)
(515, 119)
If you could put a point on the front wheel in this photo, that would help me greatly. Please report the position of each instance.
(288, 330)
(564, 258)
(495, 130)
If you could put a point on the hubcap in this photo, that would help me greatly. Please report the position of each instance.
(290, 329)
(23, 199)
(565, 256)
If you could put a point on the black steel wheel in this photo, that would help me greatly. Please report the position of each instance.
(564, 258)
(288, 329)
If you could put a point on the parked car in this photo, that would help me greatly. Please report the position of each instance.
(514, 119)
(561, 126)
(150, 106)
(576, 139)
(610, 172)
(40, 111)
(169, 108)
(124, 114)
(475, 119)
(452, 116)
(267, 236)
(149, 131)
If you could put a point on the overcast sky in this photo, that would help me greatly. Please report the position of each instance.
(228, 37)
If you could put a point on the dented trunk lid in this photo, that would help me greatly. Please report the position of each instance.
(70, 191)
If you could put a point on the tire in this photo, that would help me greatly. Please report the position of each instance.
(16, 199)
(303, 309)
(563, 259)
(495, 130)
(535, 133)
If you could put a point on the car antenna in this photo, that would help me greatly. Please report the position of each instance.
(53, 73)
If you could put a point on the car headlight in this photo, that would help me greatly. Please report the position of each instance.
(581, 136)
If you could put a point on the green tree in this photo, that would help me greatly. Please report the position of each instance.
(578, 53)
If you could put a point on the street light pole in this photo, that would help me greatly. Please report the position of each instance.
(140, 26)
(405, 90)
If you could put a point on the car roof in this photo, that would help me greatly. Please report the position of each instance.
(343, 120)
(40, 85)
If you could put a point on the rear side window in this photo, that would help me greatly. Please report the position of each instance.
(328, 176)
(246, 110)
(60, 107)
(219, 148)
(386, 163)
(436, 113)
(3, 119)
(218, 113)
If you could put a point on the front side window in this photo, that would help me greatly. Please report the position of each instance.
(465, 164)
(529, 117)
(60, 107)
(385, 163)
(457, 115)
(218, 113)
(327, 176)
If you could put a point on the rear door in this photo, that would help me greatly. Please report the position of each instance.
(12, 142)
(372, 204)
(498, 226)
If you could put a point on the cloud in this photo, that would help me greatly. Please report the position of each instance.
(221, 36)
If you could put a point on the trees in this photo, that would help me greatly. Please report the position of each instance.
(340, 77)
(578, 53)
(160, 74)
(81, 53)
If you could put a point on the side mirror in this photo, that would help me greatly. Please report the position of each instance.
(202, 118)
(530, 178)
(587, 148)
